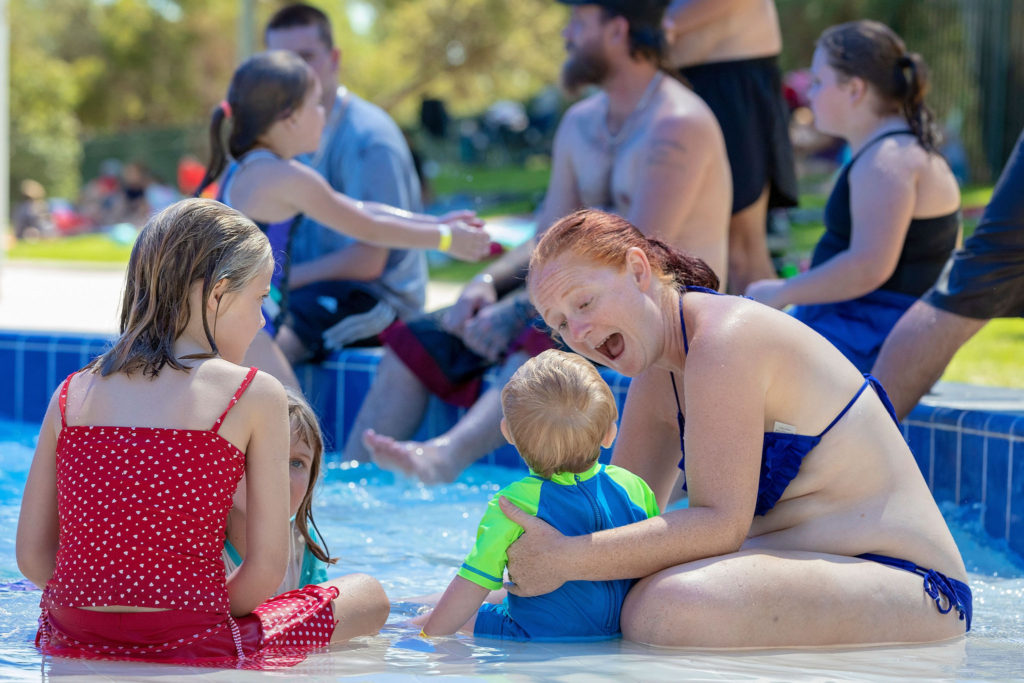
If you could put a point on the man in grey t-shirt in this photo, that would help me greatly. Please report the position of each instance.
(343, 292)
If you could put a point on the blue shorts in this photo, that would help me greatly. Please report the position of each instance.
(857, 327)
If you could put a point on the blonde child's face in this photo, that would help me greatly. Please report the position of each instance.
(300, 462)
(300, 459)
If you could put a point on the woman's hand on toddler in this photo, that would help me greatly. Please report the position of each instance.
(537, 558)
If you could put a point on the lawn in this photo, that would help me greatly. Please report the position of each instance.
(992, 358)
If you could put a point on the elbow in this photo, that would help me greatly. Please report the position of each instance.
(868, 274)
(38, 575)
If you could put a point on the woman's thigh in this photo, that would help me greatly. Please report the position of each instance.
(783, 599)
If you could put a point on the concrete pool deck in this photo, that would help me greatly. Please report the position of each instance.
(81, 298)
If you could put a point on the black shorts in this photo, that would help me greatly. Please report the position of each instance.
(746, 97)
(984, 279)
(334, 314)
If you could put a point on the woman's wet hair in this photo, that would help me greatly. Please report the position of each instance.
(872, 51)
(193, 240)
(604, 238)
(306, 428)
(267, 87)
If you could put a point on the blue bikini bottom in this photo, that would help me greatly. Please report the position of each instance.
(936, 585)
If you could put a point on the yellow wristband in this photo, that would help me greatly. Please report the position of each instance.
(445, 243)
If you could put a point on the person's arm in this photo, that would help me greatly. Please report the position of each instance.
(289, 187)
(377, 177)
(509, 272)
(669, 179)
(725, 395)
(266, 488)
(38, 523)
(648, 441)
(882, 196)
(459, 603)
(484, 567)
(358, 261)
(492, 329)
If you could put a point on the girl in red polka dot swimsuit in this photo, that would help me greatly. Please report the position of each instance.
(125, 506)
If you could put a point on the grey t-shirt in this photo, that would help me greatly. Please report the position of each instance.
(363, 155)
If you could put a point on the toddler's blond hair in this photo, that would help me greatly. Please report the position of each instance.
(558, 411)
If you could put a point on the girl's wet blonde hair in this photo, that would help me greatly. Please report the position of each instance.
(558, 411)
(306, 428)
(193, 240)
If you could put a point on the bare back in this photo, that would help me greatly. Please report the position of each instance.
(666, 170)
(174, 399)
(727, 31)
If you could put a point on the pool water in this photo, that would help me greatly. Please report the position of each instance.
(413, 538)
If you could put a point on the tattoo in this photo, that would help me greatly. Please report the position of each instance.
(667, 152)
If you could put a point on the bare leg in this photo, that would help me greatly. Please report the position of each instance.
(361, 607)
(395, 405)
(783, 599)
(291, 346)
(748, 246)
(442, 459)
(265, 354)
(917, 351)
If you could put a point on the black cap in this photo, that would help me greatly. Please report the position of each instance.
(644, 13)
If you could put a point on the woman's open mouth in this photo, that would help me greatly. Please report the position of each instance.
(612, 346)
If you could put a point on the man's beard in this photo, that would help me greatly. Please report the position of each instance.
(585, 66)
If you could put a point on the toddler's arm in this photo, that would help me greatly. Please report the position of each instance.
(458, 605)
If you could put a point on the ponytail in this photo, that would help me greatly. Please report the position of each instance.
(912, 81)
(218, 156)
(685, 270)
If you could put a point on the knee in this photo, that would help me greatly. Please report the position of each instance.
(378, 607)
(665, 611)
(361, 604)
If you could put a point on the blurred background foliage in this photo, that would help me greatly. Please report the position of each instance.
(136, 79)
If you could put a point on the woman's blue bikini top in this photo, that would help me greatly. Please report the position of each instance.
(782, 452)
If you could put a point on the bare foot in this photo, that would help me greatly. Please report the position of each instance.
(428, 461)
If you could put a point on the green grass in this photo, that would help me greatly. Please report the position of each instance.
(992, 357)
(92, 248)
(530, 178)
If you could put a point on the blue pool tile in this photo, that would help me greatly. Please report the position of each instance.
(1015, 534)
(919, 439)
(997, 463)
(8, 390)
(945, 462)
(36, 387)
(971, 463)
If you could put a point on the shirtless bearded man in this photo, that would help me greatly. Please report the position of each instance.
(644, 147)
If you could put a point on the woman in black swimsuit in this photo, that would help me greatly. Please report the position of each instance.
(802, 491)
(893, 217)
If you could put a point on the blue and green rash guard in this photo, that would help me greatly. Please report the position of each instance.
(603, 497)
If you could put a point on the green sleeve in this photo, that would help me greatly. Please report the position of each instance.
(485, 565)
(637, 489)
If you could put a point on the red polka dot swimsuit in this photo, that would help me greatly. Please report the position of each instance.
(142, 516)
